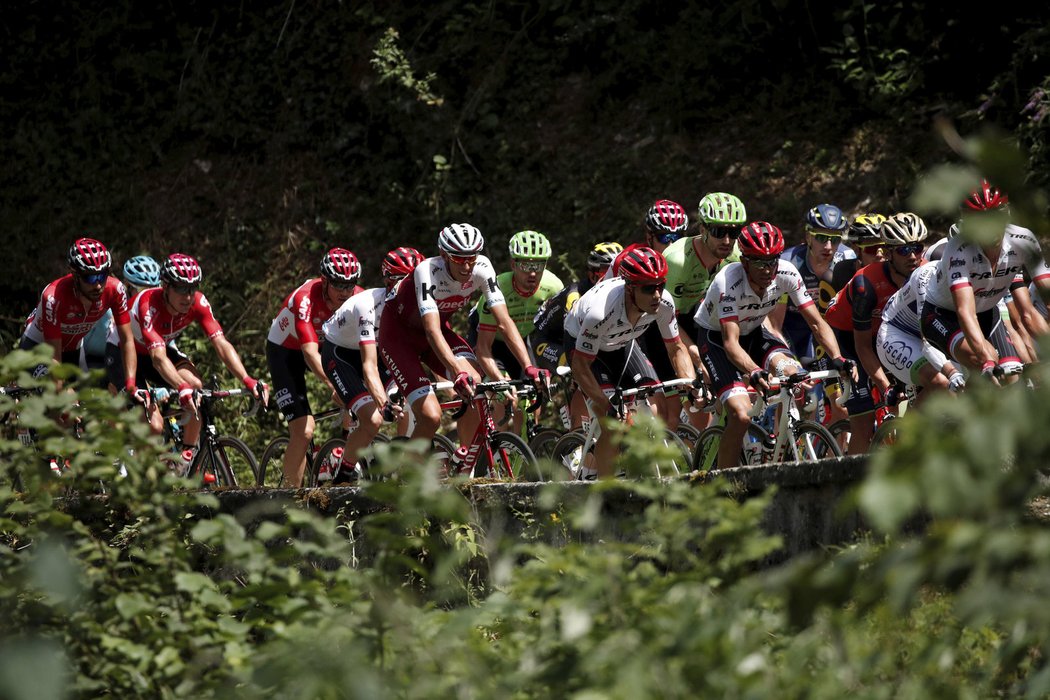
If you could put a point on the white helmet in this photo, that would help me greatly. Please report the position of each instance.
(902, 229)
(460, 239)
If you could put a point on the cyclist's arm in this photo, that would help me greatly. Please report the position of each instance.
(966, 311)
(1032, 321)
(870, 361)
(370, 367)
(128, 355)
(680, 359)
(228, 354)
(159, 355)
(775, 320)
(585, 379)
(511, 336)
(454, 365)
(483, 350)
(821, 330)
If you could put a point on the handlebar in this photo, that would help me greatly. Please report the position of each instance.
(777, 384)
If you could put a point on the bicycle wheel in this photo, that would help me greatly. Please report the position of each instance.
(440, 446)
(229, 459)
(886, 434)
(840, 431)
(271, 466)
(543, 441)
(567, 456)
(813, 441)
(512, 460)
(705, 451)
(676, 466)
(688, 434)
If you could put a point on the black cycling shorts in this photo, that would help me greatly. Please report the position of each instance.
(726, 379)
(288, 372)
(345, 369)
(941, 329)
(146, 372)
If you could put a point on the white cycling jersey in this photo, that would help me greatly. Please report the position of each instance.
(731, 298)
(437, 292)
(903, 307)
(599, 322)
(964, 264)
(356, 322)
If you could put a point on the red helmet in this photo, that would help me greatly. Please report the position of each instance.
(340, 265)
(87, 255)
(400, 262)
(180, 269)
(666, 216)
(760, 239)
(986, 198)
(643, 265)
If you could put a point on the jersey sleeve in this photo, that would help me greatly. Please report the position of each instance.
(790, 281)
(48, 318)
(486, 321)
(667, 318)
(119, 303)
(203, 312)
(485, 279)
(423, 279)
(151, 338)
(587, 340)
(366, 325)
(956, 262)
(862, 292)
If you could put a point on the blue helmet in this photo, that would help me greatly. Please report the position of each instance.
(142, 271)
(826, 218)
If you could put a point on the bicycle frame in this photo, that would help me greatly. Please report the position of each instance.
(784, 443)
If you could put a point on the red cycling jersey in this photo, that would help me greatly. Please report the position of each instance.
(858, 305)
(61, 313)
(153, 324)
(302, 314)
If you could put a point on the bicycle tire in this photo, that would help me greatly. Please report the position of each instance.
(841, 432)
(543, 441)
(688, 435)
(440, 446)
(705, 451)
(677, 467)
(566, 456)
(886, 434)
(818, 442)
(271, 465)
(224, 460)
(512, 459)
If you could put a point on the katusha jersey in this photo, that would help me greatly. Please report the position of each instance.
(522, 309)
(599, 322)
(153, 325)
(60, 314)
(964, 264)
(356, 322)
(731, 298)
(902, 308)
(687, 277)
(431, 290)
(302, 314)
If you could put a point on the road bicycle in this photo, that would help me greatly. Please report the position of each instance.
(792, 439)
(573, 454)
(542, 436)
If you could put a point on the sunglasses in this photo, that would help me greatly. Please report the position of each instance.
(651, 289)
(763, 262)
(909, 249)
(823, 238)
(461, 259)
(96, 278)
(183, 289)
(730, 232)
(341, 286)
(666, 238)
(530, 265)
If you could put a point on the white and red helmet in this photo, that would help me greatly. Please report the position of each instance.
(760, 239)
(400, 262)
(88, 256)
(179, 268)
(341, 266)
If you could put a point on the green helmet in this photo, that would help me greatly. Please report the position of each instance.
(722, 209)
(529, 245)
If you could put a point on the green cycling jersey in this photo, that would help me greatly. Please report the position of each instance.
(687, 277)
(522, 310)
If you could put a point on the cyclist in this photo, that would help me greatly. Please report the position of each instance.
(351, 363)
(159, 316)
(604, 328)
(730, 321)
(959, 316)
(71, 305)
(525, 288)
(293, 346)
(691, 265)
(855, 314)
(415, 329)
(899, 344)
(863, 239)
(140, 272)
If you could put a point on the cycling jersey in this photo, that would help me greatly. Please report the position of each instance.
(356, 322)
(153, 324)
(302, 314)
(858, 305)
(820, 291)
(60, 314)
(731, 298)
(687, 277)
(548, 333)
(433, 290)
(964, 264)
(522, 309)
(903, 307)
(599, 321)
(899, 343)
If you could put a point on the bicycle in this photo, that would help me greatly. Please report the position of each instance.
(575, 448)
(539, 436)
(793, 440)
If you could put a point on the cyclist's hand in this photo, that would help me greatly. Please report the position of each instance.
(700, 393)
(992, 371)
(603, 406)
(140, 396)
(759, 379)
(392, 411)
(186, 397)
(847, 367)
(259, 389)
(541, 379)
(464, 385)
(956, 382)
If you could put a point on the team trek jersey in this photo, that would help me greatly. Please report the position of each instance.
(60, 313)
(153, 325)
(599, 322)
(858, 305)
(302, 315)
(522, 310)
(356, 322)
(965, 265)
(687, 277)
(731, 298)
(902, 308)
(432, 290)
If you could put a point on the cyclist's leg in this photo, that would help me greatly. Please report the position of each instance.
(190, 375)
(404, 360)
(998, 335)
(860, 405)
(668, 407)
(288, 372)
(469, 421)
(344, 369)
(941, 329)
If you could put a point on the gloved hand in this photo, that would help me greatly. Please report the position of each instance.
(541, 379)
(758, 378)
(956, 382)
(843, 365)
(260, 390)
(991, 370)
(392, 411)
(186, 396)
(139, 396)
(464, 386)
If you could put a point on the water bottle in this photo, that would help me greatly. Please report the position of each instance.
(768, 443)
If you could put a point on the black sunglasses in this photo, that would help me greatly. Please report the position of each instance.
(909, 249)
(652, 288)
(730, 232)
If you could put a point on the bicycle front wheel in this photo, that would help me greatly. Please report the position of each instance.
(813, 441)
(682, 461)
(886, 434)
(271, 466)
(228, 460)
(840, 431)
(543, 441)
(705, 451)
(512, 460)
(568, 458)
